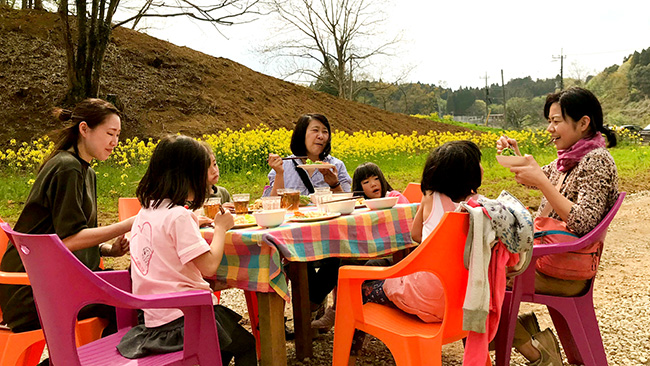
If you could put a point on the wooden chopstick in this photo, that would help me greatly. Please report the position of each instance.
(345, 199)
(294, 157)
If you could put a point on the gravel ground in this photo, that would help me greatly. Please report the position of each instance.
(621, 296)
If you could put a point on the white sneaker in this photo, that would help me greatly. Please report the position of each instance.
(548, 347)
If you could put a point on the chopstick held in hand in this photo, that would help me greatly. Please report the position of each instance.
(294, 157)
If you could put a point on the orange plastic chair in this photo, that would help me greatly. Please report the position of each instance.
(25, 349)
(413, 193)
(127, 207)
(411, 341)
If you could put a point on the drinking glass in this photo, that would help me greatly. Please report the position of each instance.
(271, 203)
(212, 206)
(241, 203)
(291, 199)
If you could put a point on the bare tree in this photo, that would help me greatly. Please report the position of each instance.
(330, 39)
(85, 52)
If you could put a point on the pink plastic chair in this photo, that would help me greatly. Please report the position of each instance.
(574, 317)
(62, 285)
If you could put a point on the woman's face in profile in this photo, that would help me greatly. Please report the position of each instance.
(316, 138)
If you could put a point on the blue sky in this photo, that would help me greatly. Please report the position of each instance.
(455, 43)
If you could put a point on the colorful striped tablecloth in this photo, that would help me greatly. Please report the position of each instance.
(252, 257)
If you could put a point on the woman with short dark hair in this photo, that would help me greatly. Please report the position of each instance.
(312, 137)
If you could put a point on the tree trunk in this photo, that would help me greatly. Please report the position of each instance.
(38, 4)
(75, 91)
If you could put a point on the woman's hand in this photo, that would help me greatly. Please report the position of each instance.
(118, 248)
(530, 174)
(230, 206)
(276, 163)
(223, 221)
(505, 142)
(331, 177)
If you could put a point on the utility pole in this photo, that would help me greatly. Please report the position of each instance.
(487, 98)
(561, 57)
(503, 88)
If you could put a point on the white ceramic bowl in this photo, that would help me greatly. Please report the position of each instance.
(381, 203)
(342, 207)
(510, 161)
(269, 218)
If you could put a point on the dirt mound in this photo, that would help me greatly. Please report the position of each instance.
(162, 88)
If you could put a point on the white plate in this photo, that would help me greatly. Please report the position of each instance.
(241, 226)
(311, 167)
(310, 219)
(510, 161)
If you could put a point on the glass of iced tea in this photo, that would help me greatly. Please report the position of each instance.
(241, 203)
(212, 206)
(291, 199)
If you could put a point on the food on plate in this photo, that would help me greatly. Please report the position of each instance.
(244, 219)
(309, 214)
(311, 162)
(361, 201)
(304, 200)
(255, 206)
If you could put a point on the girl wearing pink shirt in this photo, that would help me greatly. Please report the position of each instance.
(168, 253)
(452, 173)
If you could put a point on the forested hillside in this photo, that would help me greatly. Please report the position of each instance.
(624, 91)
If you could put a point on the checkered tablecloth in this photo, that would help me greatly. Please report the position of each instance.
(252, 257)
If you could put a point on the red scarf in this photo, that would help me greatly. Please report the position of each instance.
(569, 158)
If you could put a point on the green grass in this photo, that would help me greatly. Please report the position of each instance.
(113, 182)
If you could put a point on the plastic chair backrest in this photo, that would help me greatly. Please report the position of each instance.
(127, 207)
(52, 268)
(413, 193)
(442, 253)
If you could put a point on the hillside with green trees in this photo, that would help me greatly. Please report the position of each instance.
(624, 91)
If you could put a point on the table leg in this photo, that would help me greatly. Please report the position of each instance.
(271, 315)
(301, 309)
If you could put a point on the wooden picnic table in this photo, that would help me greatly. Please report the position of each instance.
(253, 260)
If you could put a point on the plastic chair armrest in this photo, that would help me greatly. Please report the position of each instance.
(162, 301)
(14, 278)
(119, 279)
(377, 272)
(546, 249)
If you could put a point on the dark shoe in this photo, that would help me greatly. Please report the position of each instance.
(529, 322)
(289, 335)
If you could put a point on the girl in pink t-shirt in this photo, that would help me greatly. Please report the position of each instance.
(452, 173)
(168, 253)
(369, 179)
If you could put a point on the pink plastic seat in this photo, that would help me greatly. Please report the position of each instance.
(574, 318)
(62, 285)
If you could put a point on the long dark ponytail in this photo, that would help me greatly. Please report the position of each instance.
(93, 111)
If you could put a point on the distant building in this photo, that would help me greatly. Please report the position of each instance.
(494, 120)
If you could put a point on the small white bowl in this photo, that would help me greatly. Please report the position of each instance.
(269, 218)
(342, 207)
(381, 203)
(510, 161)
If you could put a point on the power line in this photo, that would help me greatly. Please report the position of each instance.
(561, 57)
